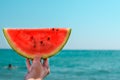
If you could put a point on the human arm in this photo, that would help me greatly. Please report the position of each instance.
(38, 70)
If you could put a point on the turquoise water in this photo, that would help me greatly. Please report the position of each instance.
(68, 65)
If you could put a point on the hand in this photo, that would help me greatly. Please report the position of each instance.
(38, 70)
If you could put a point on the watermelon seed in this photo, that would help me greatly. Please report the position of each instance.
(34, 46)
(33, 42)
(48, 38)
(41, 42)
(31, 37)
(53, 29)
(56, 29)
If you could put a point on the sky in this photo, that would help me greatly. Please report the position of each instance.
(95, 23)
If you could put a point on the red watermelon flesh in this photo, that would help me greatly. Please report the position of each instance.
(44, 42)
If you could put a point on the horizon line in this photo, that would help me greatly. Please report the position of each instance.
(76, 49)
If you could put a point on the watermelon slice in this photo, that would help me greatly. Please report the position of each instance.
(44, 42)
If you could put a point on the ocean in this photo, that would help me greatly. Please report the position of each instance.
(67, 65)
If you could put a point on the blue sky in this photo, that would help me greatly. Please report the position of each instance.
(95, 23)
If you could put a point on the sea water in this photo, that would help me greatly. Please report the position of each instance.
(67, 65)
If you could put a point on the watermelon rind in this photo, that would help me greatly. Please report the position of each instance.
(22, 53)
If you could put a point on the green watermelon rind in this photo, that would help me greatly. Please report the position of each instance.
(20, 52)
(12, 45)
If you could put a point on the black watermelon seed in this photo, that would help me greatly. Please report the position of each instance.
(56, 29)
(31, 37)
(53, 29)
(48, 38)
(41, 42)
(34, 46)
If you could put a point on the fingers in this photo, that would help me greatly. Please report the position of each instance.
(28, 64)
(45, 63)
